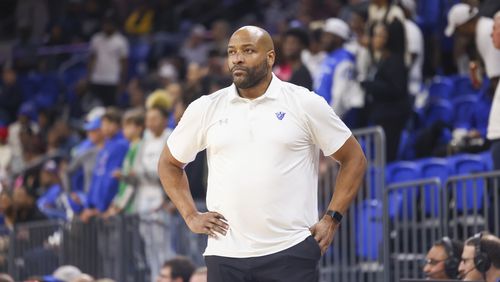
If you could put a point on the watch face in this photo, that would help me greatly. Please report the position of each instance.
(335, 215)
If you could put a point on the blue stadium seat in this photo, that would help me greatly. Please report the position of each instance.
(438, 110)
(462, 85)
(368, 227)
(402, 171)
(487, 160)
(398, 172)
(138, 54)
(429, 168)
(463, 109)
(441, 88)
(466, 164)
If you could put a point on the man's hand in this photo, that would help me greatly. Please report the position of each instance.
(87, 214)
(323, 232)
(208, 223)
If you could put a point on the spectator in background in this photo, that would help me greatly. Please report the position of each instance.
(133, 127)
(5, 154)
(199, 275)
(149, 202)
(219, 31)
(313, 56)
(178, 269)
(140, 20)
(292, 69)
(195, 49)
(463, 19)
(338, 83)
(494, 119)
(108, 63)
(415, 47)
(384, 11)
(10, 95)
(103, 186)
(78, 174)
(25, 116)
(53, 203)
(360, 41)
(442, 260)
(387, 102)
(468, 269)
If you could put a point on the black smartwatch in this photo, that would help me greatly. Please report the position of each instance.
(335, 215)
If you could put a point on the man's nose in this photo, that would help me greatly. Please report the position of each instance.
(237, 58)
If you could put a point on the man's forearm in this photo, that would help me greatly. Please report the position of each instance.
(176, 185)
(347, 184)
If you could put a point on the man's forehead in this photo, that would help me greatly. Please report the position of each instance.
(469, 250)
(437, 252)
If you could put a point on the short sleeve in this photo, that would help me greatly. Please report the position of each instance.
(188, 138)
(327, 130)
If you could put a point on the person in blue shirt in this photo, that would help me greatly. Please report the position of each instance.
(104, 186)
(52, 202)
(337, 80)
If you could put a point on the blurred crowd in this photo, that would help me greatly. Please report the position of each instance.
(91, 89)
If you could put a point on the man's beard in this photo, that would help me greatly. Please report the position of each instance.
(252, 76)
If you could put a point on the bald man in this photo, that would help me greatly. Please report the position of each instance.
(262, 137)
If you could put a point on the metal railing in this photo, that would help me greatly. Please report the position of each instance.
(412, 223)
(124, 248)
(353, 255)
(472, 204)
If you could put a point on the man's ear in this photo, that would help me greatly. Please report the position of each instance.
(271, 57)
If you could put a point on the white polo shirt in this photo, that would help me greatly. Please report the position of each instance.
(263, 163)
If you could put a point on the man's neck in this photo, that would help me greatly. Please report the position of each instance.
(257, 90)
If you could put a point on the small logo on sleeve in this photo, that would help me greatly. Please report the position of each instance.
(280, 115)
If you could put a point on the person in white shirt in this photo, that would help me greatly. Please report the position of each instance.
(108, 63)
(262, 137)
(494, 120)
(463, 19)
(415, 44)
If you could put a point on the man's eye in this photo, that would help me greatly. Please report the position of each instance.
(232, 52)
(248, 51)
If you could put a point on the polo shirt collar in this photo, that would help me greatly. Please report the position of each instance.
(271, 91)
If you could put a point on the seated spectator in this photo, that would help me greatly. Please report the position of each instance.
(199, 275)
(24, 203)
(467, 268)
(52, 203)
(103, 186)
(178, 269)
(443, 259)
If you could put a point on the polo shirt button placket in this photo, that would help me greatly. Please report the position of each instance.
(251, 119)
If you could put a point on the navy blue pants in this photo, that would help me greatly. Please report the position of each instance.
(296, 264)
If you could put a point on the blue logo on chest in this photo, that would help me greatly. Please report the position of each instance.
(280, 115)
